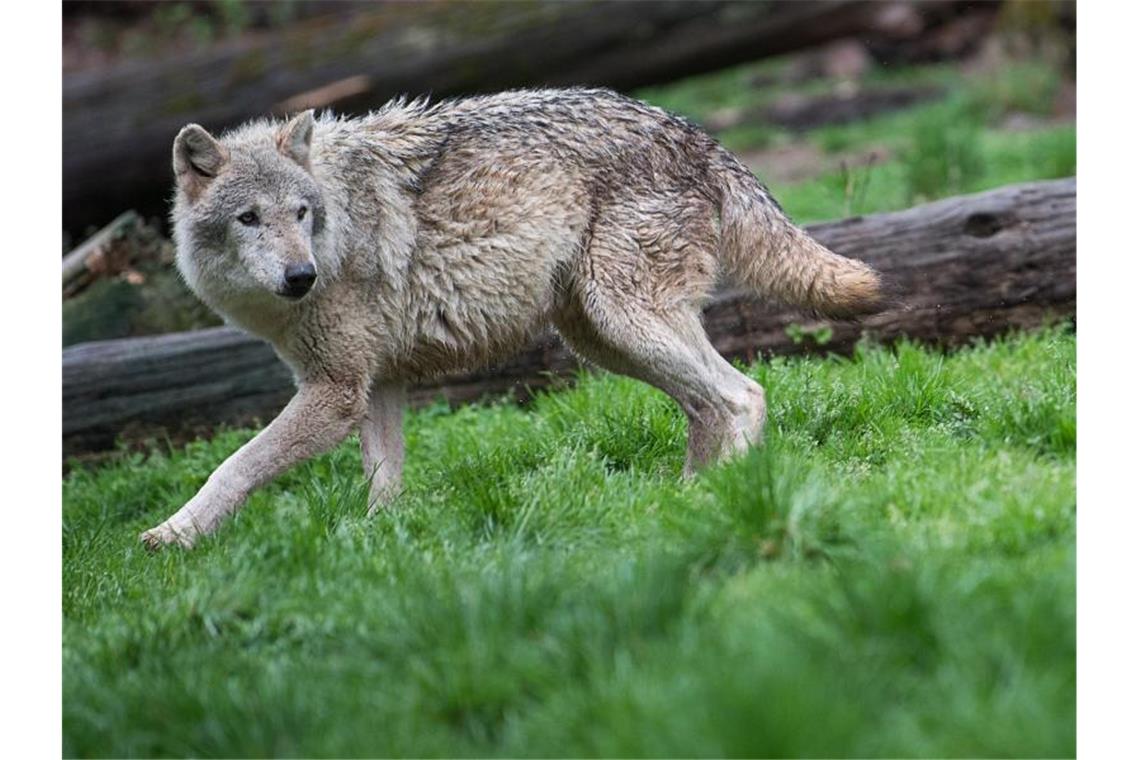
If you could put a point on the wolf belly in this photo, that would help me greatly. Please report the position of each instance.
(494, 245)
(479, 304)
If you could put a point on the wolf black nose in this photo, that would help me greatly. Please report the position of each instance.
(299, 278)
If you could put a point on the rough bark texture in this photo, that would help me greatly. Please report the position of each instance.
(119, 124)
(97, 255)
(963, 267)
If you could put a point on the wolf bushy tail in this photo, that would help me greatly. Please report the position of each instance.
(762, 249)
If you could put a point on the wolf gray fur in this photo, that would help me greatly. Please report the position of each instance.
(425, 238)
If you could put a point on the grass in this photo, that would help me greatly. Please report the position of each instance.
(948, 163)
(892, 574)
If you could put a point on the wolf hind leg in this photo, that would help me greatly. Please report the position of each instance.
(726, 410)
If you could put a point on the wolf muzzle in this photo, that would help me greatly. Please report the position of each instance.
(299, 279)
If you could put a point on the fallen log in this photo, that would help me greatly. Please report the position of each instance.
(95, 256)
(969, 266)
(119, 124)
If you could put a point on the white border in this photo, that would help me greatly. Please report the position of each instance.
(31, 136)
(1108, 276)
(1108, 205)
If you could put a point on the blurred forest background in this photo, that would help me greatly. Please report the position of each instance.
(841, 107)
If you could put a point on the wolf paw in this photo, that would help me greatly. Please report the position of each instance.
(165, 534)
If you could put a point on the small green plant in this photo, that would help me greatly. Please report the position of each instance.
(1056, 153)
(233, 15)
(854, 180)
(834, 139)
(945, 155)
(171, 18)
(819, 336)
(1020, 87)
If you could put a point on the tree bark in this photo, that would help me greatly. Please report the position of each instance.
(964, 267)
(119, 124)
(89, 260)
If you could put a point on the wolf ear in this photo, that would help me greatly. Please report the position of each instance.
(296, 138)
(198, 158)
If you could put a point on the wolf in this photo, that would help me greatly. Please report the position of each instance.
(423, 238)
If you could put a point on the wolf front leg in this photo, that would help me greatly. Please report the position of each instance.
(382, 442)
(315, 420)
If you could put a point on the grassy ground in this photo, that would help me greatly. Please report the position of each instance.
(893, 574)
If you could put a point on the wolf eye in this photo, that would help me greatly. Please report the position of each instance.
(301, 212)
(249, 218)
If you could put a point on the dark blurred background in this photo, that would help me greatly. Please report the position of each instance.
(135, 72)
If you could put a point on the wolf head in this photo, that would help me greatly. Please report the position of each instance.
(248, 214)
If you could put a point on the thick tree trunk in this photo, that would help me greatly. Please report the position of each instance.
(119, 125)
(963, 267)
